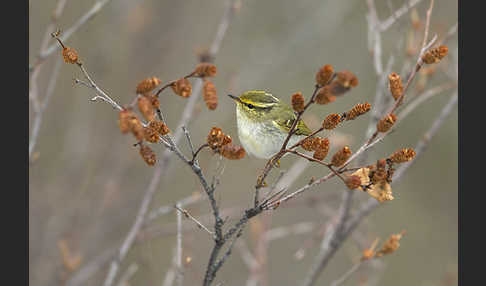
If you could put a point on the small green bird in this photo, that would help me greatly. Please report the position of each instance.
(264, 123)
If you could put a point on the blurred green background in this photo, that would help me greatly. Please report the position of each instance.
(88, 181)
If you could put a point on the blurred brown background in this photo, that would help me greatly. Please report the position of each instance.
(88, 181)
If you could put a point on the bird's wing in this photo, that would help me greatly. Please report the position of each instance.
(285, 123)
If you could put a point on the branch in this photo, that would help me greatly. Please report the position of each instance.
(69, 32)
(180, 275)
(38, 113)
(372, 203)
(162, 166)
(189, 216)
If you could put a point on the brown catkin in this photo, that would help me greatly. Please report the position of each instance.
(324, 75)
(164, 129)
(233, 152)
(137, 129)
(217, 139)
(391, 245)
(205, 70)
(69, 55)
(148, 155)
(124, 118)
(298, 102)
(325, 96)
(146, 108)
(386, 123)
(148, 85)
(331, 121)
(341, 156)
(357, 110)
(209, 95)
(402, 155)
(182, 87)
(434, 55)
(346, 79)
(396, 86)
(151, 135)
(321, 147)
(154, 100)
(159, 127)
(353, 182)
(308, 143)
(380, 174)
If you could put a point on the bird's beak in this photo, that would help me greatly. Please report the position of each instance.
(235, 98)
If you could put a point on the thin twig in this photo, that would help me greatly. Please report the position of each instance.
(162, 166)
(189, 216)
(125, 277)
(386, 24)
(163, 210)
(180, 274)
(347, 274)
(188, 137)
(40, 112)
(69, 32)
(367, 207)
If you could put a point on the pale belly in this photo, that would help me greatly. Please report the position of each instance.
(261, 140)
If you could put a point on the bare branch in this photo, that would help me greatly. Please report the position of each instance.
(384, 25)
(180, 275)
(189, 216)
(346, 275)
(131, 270)
(69, 32)
(40, 111)
(163, 210)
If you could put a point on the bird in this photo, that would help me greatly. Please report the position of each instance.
(264, 122)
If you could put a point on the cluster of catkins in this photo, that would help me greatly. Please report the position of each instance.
(148, 104)
(391, 245)
(375, 179)
(221, 143)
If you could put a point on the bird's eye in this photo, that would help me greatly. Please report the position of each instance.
(250, 106)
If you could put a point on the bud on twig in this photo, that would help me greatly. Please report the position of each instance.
(396, 86)
(324, 75)
(386, 123)
(233, 152)
(434, 55)
(137, 129)
(331, 121)
(148, 155)
(69, 55)
(154, 100)
(308, 143)
(209, 95)
(341, 156)
(298, 102)
(379, 174)
(124, 118)
(321, 147)
(146, 108)
(346, 79)
(182, 87)
(325, 96)
(159, 127)
(151, 134)
(353, 182)
(217, 139)
(391, 245)
(402, 155)
(357, 110)
(148, 85)
(205, 70)
(370, 252)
